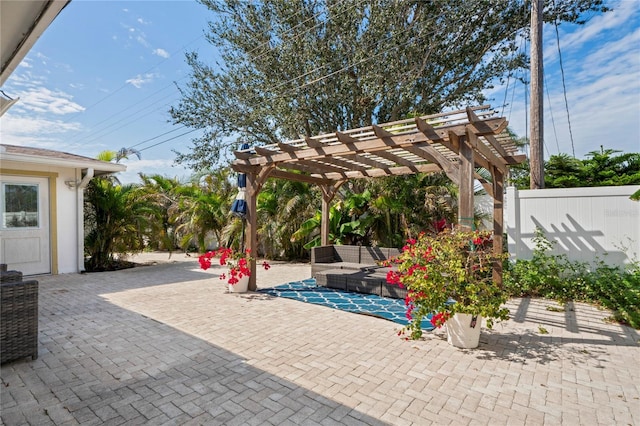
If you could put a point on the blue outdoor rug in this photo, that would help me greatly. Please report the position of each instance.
(367, 304)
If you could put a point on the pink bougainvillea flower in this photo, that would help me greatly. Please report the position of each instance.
(238, 263)
(440, 225)
(393, 277)
(439, 319)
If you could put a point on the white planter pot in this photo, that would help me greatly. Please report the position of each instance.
(241, 286)
(461, 334)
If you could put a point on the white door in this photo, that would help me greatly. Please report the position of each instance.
(24, 225)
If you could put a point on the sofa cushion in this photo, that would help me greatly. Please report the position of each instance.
(332, 278)
(347, 253)
(373, 255)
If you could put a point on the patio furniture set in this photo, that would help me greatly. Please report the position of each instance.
(354, 268)
(18, 316)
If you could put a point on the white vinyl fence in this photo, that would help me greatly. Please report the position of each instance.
(586, 223)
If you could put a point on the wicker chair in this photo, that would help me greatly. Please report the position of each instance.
(18, 315)
(354, 268)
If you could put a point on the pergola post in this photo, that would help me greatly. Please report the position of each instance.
(498, 222)
(324, 226)
(465, 196)
(251, 236)
(254, 184)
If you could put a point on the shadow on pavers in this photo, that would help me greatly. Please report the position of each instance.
(100, 363)
(559, 335)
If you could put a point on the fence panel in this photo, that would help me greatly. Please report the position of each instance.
(586, 223)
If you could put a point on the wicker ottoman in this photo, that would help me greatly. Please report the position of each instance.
(18, 319)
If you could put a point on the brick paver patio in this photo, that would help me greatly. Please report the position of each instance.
(166, 344)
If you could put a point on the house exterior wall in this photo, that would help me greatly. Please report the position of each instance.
(64, 218)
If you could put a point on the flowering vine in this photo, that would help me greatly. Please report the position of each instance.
(237, 262)
(447, 273)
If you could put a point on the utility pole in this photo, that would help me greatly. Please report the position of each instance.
(536, 140)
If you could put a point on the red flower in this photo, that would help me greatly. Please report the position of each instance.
(439, 319)
(393, 277)
(427, 254)
(238, 263)
(440, 225)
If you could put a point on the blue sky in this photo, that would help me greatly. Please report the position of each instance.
(102, 77)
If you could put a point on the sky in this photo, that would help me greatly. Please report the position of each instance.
(103, 76)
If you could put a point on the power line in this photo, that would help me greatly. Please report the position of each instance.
(131, 120)
(156, 137)
(167, 140)
(553, 122)
(95, 127)
(322, 12)
(125, 121)
(564, 89)
(144, 72)
(273, 88)
(506, 92)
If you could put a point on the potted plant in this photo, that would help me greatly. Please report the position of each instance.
(238, 264)
(449, 277)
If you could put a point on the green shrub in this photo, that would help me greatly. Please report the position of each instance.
(556, 277)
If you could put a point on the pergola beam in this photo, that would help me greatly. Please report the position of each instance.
(392, 171)
(473, 118)
(456, 142)
(351, 145)
(425, 151)
(365, 160)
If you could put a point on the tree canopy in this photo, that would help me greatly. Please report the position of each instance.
(607, 167)
(303, 67)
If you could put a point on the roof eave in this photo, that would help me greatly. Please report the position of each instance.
(100, 167)
(39, 16)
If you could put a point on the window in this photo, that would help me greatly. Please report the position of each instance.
(20, 205)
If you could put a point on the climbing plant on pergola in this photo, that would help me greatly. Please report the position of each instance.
(455, 142)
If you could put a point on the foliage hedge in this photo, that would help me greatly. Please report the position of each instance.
(557, 277)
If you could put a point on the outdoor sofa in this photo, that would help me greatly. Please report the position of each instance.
(18, 316)
(354, 268)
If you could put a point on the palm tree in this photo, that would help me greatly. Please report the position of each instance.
(282, 206)
(161, 194)
(203, 208)
(116, 216)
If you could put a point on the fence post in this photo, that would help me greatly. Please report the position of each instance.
(512, 213)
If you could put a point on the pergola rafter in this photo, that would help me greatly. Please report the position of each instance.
(456, 142)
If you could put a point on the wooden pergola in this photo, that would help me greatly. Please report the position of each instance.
(455, 142)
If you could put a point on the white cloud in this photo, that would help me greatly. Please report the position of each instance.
(24, 130)
(43, 100)
(139, 80)
(616, 56)
(142, 21)
(606, 21)
(602, 77)
(163, 167)
(161, 52)
(581, 35)
(25, 63)
(142, 40)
